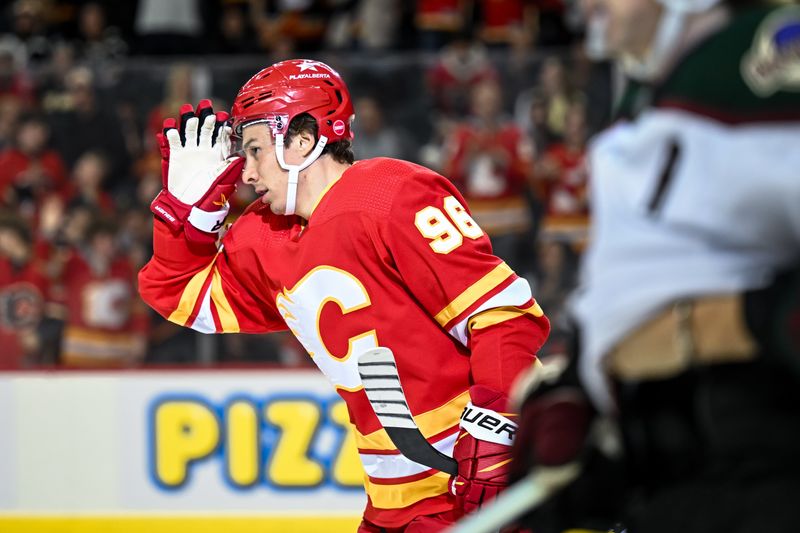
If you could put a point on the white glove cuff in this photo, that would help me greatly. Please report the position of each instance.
(208, 221)
(488, 425)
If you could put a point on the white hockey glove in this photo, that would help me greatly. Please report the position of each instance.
(199, 176)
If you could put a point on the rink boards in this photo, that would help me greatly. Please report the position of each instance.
(176, 451)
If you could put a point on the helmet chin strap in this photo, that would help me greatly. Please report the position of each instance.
(294, 170)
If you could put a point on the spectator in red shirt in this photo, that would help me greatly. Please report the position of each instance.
(489, 160)
(507, 22)
(106, 321)
(30, 170)
(24, 290)
(563, 167)
(14, 81)
(88, 176)
(440, 21)
(460, 66)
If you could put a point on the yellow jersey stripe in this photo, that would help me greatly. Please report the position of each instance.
(377, 440)
(405, 494)
(190, 296)
(227, 319)
(443, 417)
(490, 317)
(430, 423)
(474, 292)
(494, 467)
(348, 389)
(322, 195)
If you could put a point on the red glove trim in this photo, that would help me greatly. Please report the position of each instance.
(169, 209)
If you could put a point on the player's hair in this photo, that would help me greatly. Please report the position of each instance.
(341, 151)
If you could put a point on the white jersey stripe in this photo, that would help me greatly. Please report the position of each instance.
(204, 323)
(516, 294)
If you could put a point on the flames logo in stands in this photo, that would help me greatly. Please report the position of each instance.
(21, 306)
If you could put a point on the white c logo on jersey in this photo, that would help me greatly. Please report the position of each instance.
(301, 306)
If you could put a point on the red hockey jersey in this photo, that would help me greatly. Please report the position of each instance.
(23, 294)
(389, 257)
(106, 323)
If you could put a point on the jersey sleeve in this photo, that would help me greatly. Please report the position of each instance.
(446, 261)
(206, 288)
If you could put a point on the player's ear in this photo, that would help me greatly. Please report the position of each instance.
(304, 143)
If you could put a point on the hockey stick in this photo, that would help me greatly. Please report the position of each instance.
(378, 371)
(524, 495)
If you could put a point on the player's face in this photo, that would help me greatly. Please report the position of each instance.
(261, 169)
(629, 24)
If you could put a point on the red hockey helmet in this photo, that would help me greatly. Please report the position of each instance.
(287, 89)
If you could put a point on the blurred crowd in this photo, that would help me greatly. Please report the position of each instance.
(496, 95)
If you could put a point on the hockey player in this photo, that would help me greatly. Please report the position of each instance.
(684, 312)
(349, 256)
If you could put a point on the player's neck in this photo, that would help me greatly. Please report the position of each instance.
(318, 179)
(698, 27)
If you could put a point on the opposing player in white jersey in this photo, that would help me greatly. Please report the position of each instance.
(688, 306)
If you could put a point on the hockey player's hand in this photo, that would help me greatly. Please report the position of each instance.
(554, 417)
(198, 174)
(483, 448)
(585, 481)
(204, 110)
